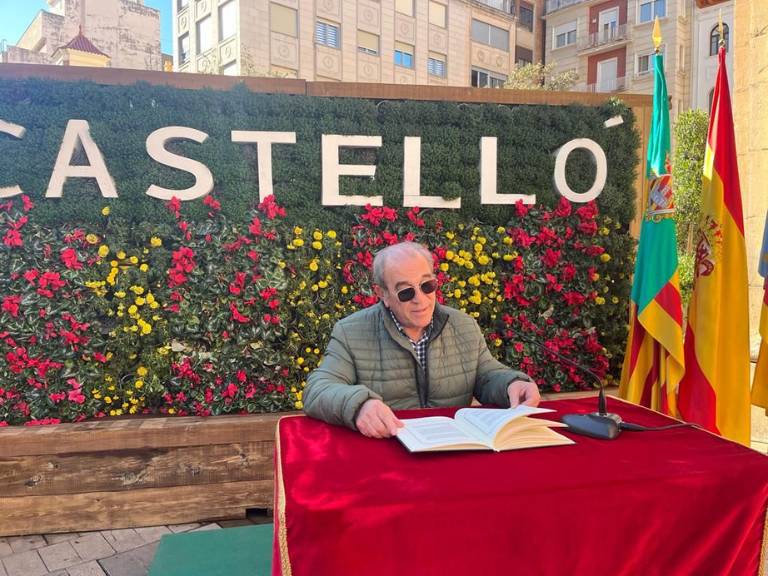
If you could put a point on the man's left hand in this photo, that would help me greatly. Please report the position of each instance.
(523, 392)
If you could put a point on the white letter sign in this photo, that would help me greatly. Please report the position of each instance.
(264, 141)
(78, 131)
(156, 150)
(17, 132)
(412, 179)
(488, 195)
(598, 155)
(332, 170)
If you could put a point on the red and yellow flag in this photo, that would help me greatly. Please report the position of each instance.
(715, 389)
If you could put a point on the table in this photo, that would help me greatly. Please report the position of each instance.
(675, 502)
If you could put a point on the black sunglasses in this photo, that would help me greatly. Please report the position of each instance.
(407, 294)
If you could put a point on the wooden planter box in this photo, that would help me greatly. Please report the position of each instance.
(103, 474)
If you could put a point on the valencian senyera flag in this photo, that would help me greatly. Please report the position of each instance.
(714, 392)
(760, 381)
(653, 364)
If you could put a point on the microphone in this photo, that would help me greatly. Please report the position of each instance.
(602, 424)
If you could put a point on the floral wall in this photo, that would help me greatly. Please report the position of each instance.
(133, 305)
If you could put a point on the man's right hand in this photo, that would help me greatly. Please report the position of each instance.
(376, 420)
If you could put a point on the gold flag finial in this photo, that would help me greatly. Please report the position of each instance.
(656, 34)
(720, 27)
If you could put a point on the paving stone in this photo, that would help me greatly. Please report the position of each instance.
(152, 533)
(58, 556)
(123, 540)
(124, 564)
(58, 573)
(56, 538)
(5, 549)
(235, 523)
(212, 526)
(91, 568)
(2, 569)
(24, 543)
(177, 528)
(93, 546)
(146, 554)
(27, 563)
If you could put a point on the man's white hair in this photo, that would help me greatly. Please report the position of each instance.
(395, 251)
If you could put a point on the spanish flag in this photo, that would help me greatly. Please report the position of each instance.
(715, 389)
(760, 381)
(653, 363)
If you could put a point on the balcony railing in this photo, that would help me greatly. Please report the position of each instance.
(605, 36)
(507, 6)
(553, 5)
(609, 85)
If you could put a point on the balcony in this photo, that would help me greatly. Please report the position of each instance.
(553, 5)
(506, 6)
(605, 37)
(609, 85)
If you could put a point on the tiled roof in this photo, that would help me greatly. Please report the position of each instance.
(82, 44)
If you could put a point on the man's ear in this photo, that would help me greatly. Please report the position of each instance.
(379, 291)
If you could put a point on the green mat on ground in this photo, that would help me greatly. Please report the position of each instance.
(225, 552)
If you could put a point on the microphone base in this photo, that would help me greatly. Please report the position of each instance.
(595, 425)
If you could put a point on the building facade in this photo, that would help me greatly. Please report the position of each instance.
(125, 30)
(439, 42)
(704, 46)
(609, 44)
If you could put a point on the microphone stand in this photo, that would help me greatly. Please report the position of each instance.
(601, 424)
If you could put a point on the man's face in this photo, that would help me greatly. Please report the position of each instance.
(408, 271)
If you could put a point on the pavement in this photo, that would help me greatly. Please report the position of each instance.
(127, 552)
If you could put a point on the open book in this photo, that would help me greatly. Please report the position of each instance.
(482, 429)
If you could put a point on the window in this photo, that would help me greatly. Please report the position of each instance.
(649, 9)
(184, 48)
(491, 35)
(368, 43)
(204, 35)
(714, 39)
(484, 79)
(327, 34)
(181, 4)
(645, 62)
(436, 64)
(229, 69)
(403, 55)
(404, 7)
(523, 56)
(525, 17)
(564, 35)
(437, 14)
(227, 20)
(282, 19)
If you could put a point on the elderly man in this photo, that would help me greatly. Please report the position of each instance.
(407, 352)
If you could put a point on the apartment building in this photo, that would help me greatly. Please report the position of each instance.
(125, 31)
(609, 43)
(439, 42)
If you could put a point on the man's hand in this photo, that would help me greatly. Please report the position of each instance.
(522, 391)
(376, 420)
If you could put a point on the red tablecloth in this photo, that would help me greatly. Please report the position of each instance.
(667, 503)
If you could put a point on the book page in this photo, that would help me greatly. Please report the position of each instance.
(488, 421)
(420, 434)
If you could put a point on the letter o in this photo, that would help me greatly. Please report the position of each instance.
(598, 155)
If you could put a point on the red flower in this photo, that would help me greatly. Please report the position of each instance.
(70, 260)
(255, 226)
(230, 391)
(31, 275)
(551, 258)
(213, 204)
(174, 205)
(28, 205)
(11, 305)
(237, 286)
(521, 209)
(236, 315)
(270, 208)
(413, 216)
(563, 208)
(13, 239)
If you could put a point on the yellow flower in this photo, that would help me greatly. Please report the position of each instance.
(317, 235)
(615, 300)
(281, 264)
(457, 293)
(139, 301)
(132, 309)
(146, 328)
(299, 360)
(299, 405)
(133, 260)
(313, 265)
(605, 257)
(138, 290)
(444, 266)
(344, 290)
(155, 242)
(141, 371)
(103, 251)
(500, 230)
(298, 242)
(315, 287)
(497, 342)
(171, 411)
(150, 298)
(600, 300)
(120, 255)
(483, 259)
(331, 234)
(105, 211)
(317, 245)
(144, 267)
(91, 238)
(107, 399)
(450, 235)
(298, 231)
(507, 240)
(120, 294)
(139, 384)
(323, 284)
